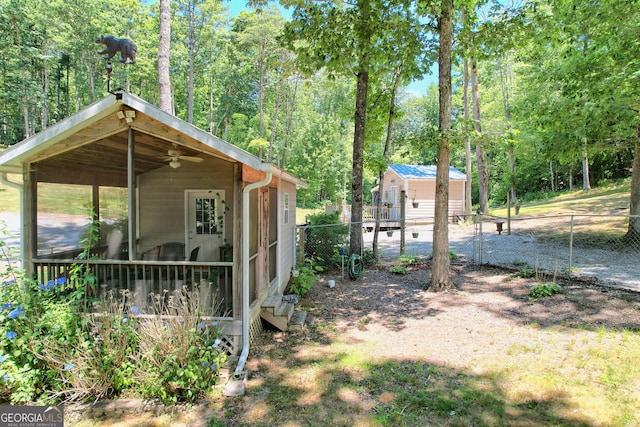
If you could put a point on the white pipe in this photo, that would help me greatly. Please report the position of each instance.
(245, 270)
(5, 180)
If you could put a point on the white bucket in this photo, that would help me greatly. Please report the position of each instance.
(331, 283)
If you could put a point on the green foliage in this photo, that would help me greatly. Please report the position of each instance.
(399, 269)
(544, 290)
(452, 256)
(54, 351)
(525, 273)
(306, 276)
(178, 354)
(368, 258)
(408, 259)
(324, 238)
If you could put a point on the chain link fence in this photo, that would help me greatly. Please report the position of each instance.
(596, 246)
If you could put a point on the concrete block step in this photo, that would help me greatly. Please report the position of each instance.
(296, 323)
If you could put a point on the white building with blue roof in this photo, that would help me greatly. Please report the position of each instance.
(419, 184)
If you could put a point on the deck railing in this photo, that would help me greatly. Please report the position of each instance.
(391, 214)
(145, 279)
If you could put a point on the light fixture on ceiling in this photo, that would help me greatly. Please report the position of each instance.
(127, 115)
(175, 155)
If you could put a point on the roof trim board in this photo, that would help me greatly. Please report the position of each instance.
(37, 146)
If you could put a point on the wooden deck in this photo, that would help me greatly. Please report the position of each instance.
(389, 216)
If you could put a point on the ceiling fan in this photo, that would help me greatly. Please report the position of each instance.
(174, 156)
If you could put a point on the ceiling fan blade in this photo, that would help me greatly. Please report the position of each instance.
(192, 159)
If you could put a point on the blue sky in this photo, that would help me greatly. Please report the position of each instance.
(417, 87)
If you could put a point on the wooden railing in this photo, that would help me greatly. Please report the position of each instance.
(145, 279)
(368, 213)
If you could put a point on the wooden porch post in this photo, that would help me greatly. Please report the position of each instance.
(95, 201)
(30, 231)
(131, 190)
(237, 242)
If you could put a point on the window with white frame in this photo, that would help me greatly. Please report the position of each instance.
(285, 203)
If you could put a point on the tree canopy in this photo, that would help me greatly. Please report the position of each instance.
(557, 84)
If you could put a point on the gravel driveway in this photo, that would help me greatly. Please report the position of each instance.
(522, 250)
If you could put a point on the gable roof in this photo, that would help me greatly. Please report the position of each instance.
(101, 125)
(425, 172)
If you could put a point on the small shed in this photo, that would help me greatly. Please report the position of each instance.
(198, 210)
(419, 184)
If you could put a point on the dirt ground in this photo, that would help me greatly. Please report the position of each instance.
(385, 316)
(395, 312)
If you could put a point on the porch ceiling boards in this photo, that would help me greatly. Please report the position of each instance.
(98, 154)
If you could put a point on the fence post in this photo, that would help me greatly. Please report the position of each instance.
(403, 212)
(571, 246)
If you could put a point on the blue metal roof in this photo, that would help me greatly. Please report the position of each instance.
(425, 172)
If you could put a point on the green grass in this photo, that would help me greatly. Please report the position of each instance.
(68, 199)
(9, 199)
(528, 384)
(597, 200)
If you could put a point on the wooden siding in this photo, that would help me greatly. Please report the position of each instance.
(423, 192)
(286, 240)
(161, 196)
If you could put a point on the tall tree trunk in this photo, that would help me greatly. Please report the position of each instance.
(23, 78)
(586, 183)
(45, 91)
(512, 171)
(164, 83)
(355, 238)
(261, 68)
(274, 121)
(483, 176)
(360, 118)
(192, 55)
(211, 112)
(506, 105)
(290, 106)
(570, 180)
(633, 232)
(468, 187)
(385, 154)
(440, 270)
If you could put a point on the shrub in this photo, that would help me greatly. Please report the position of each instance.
(368, 258)
(53, 350)
(544, 290)
(305, 278)
(525, 273)
(398, 269)
(178, 353)
(324, 238)
(408, 259)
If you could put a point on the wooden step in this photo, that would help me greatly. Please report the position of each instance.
(271, 303)
(282, 314)
(278, 315)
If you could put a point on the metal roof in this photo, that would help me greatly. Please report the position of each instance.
(425, 172)
(98, 135)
